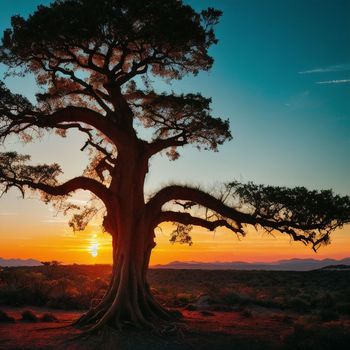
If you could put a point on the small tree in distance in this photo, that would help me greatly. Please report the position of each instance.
(88, 55)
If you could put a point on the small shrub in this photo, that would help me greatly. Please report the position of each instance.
(207, 313)
(48, 317)
(191, 307)
(287, 319)
(29, 316)
(317, 338)
(246, 314)
(183, 299)
(221, 307)
(328, 315)
(228, 297)
(299, 304)
(344, 309)
(5, 318)
(11, 295)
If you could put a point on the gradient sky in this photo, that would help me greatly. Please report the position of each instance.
(282, 77)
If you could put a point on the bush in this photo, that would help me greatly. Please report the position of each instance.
(232, 298)
(318, 338)
(246, 314)
(183, 299)
(328, 315)
(5, 318)
(48, 317)
(11, 295)
(29, 316)
(299, 304)
(344, 309)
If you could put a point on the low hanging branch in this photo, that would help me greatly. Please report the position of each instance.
(307, 216)
(15, 172)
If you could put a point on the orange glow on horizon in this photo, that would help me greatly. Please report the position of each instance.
(57, 242)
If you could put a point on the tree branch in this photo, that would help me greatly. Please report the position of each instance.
(299, 231)
(77, 183)
(57, 119)
(161, 144)
(71, 74)
(188, 219)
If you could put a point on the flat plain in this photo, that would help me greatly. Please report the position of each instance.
(227, 309)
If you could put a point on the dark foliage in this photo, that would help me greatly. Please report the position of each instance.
(29, 316)
(5, 318)
(307, 337)
(48, 317)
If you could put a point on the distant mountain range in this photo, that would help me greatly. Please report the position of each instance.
(19, 262)
(280, 265)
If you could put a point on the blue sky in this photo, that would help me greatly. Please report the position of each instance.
(288, 128)
(282, 77)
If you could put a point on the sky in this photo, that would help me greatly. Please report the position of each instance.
(282, 77)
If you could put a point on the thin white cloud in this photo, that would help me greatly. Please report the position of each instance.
(8, 213)
(338, 81)
(334, 68)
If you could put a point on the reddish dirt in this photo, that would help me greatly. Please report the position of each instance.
(257, 325)
(256, 329)
(28, 335)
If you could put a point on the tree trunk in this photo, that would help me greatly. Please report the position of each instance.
(128, 299)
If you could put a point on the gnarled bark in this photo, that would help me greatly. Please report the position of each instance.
(128, 299)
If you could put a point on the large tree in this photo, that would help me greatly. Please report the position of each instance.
(95, 61)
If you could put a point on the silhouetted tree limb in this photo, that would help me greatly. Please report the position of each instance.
(178, 120)
(188, 219)
(17, 114)
(307, 216)
(15, 172)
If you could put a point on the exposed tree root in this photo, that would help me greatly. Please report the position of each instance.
(128, 303)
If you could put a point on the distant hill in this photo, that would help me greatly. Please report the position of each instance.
(280, 265)
(19, 262)
(337, 267)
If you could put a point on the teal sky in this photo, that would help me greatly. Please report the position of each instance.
(282, 77)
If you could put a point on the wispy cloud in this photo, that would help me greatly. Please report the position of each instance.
(338, 81)
(333, 68)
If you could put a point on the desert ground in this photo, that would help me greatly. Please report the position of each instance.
(221, 309)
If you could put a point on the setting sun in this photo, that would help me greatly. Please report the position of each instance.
(93, 247)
